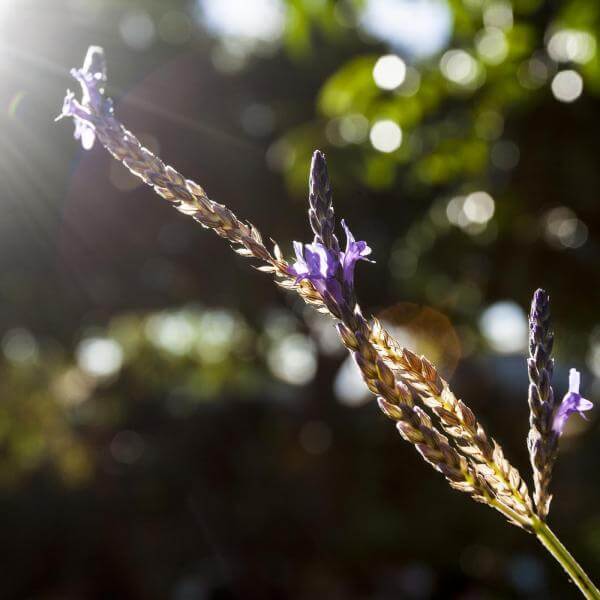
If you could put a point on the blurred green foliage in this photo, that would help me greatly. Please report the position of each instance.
(485, 113)
(449, 125)
(57, 407)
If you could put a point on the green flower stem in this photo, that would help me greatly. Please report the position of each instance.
(568, 563)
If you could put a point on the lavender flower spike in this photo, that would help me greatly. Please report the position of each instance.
(331, 271)
(542, 441)
(571, 403)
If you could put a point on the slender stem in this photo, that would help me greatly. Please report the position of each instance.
(568, 563)
(510, 514)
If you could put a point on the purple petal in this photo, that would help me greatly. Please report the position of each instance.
(299, 250)
(321, 261)
(355, 251)
(84, 128)
(349, 236)
(299, 270)
(72, 108)
(571, 403)
(85, 132)
(329, 287)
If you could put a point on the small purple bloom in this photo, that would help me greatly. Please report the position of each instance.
(320, 266)
(84, 132)
(354, 252)
(330, 271)
(571, 403)
(84, 129)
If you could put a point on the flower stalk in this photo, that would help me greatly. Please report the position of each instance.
(573, 569)
(459, 422)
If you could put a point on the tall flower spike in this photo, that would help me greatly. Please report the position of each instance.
(571, 403)
(484, 481)
(320, 200)
(542, 440)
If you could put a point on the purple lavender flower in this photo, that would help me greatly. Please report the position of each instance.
(91, 77)
(571, 403)
(330, 271)
(320, 266)
(84, 129)
(354, 252)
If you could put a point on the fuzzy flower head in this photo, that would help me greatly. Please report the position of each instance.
(571, 403)
(330, 271)
(91, 78)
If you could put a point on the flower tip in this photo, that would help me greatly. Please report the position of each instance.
(574, 381)
(94, 50)
(95, 62)
(318, 164)
(540, 297)
(318, 156)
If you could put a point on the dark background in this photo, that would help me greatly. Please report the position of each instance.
(173, 425)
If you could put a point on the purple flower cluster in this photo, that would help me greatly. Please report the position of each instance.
(92, 78)
(571, 403)
(330, 271)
